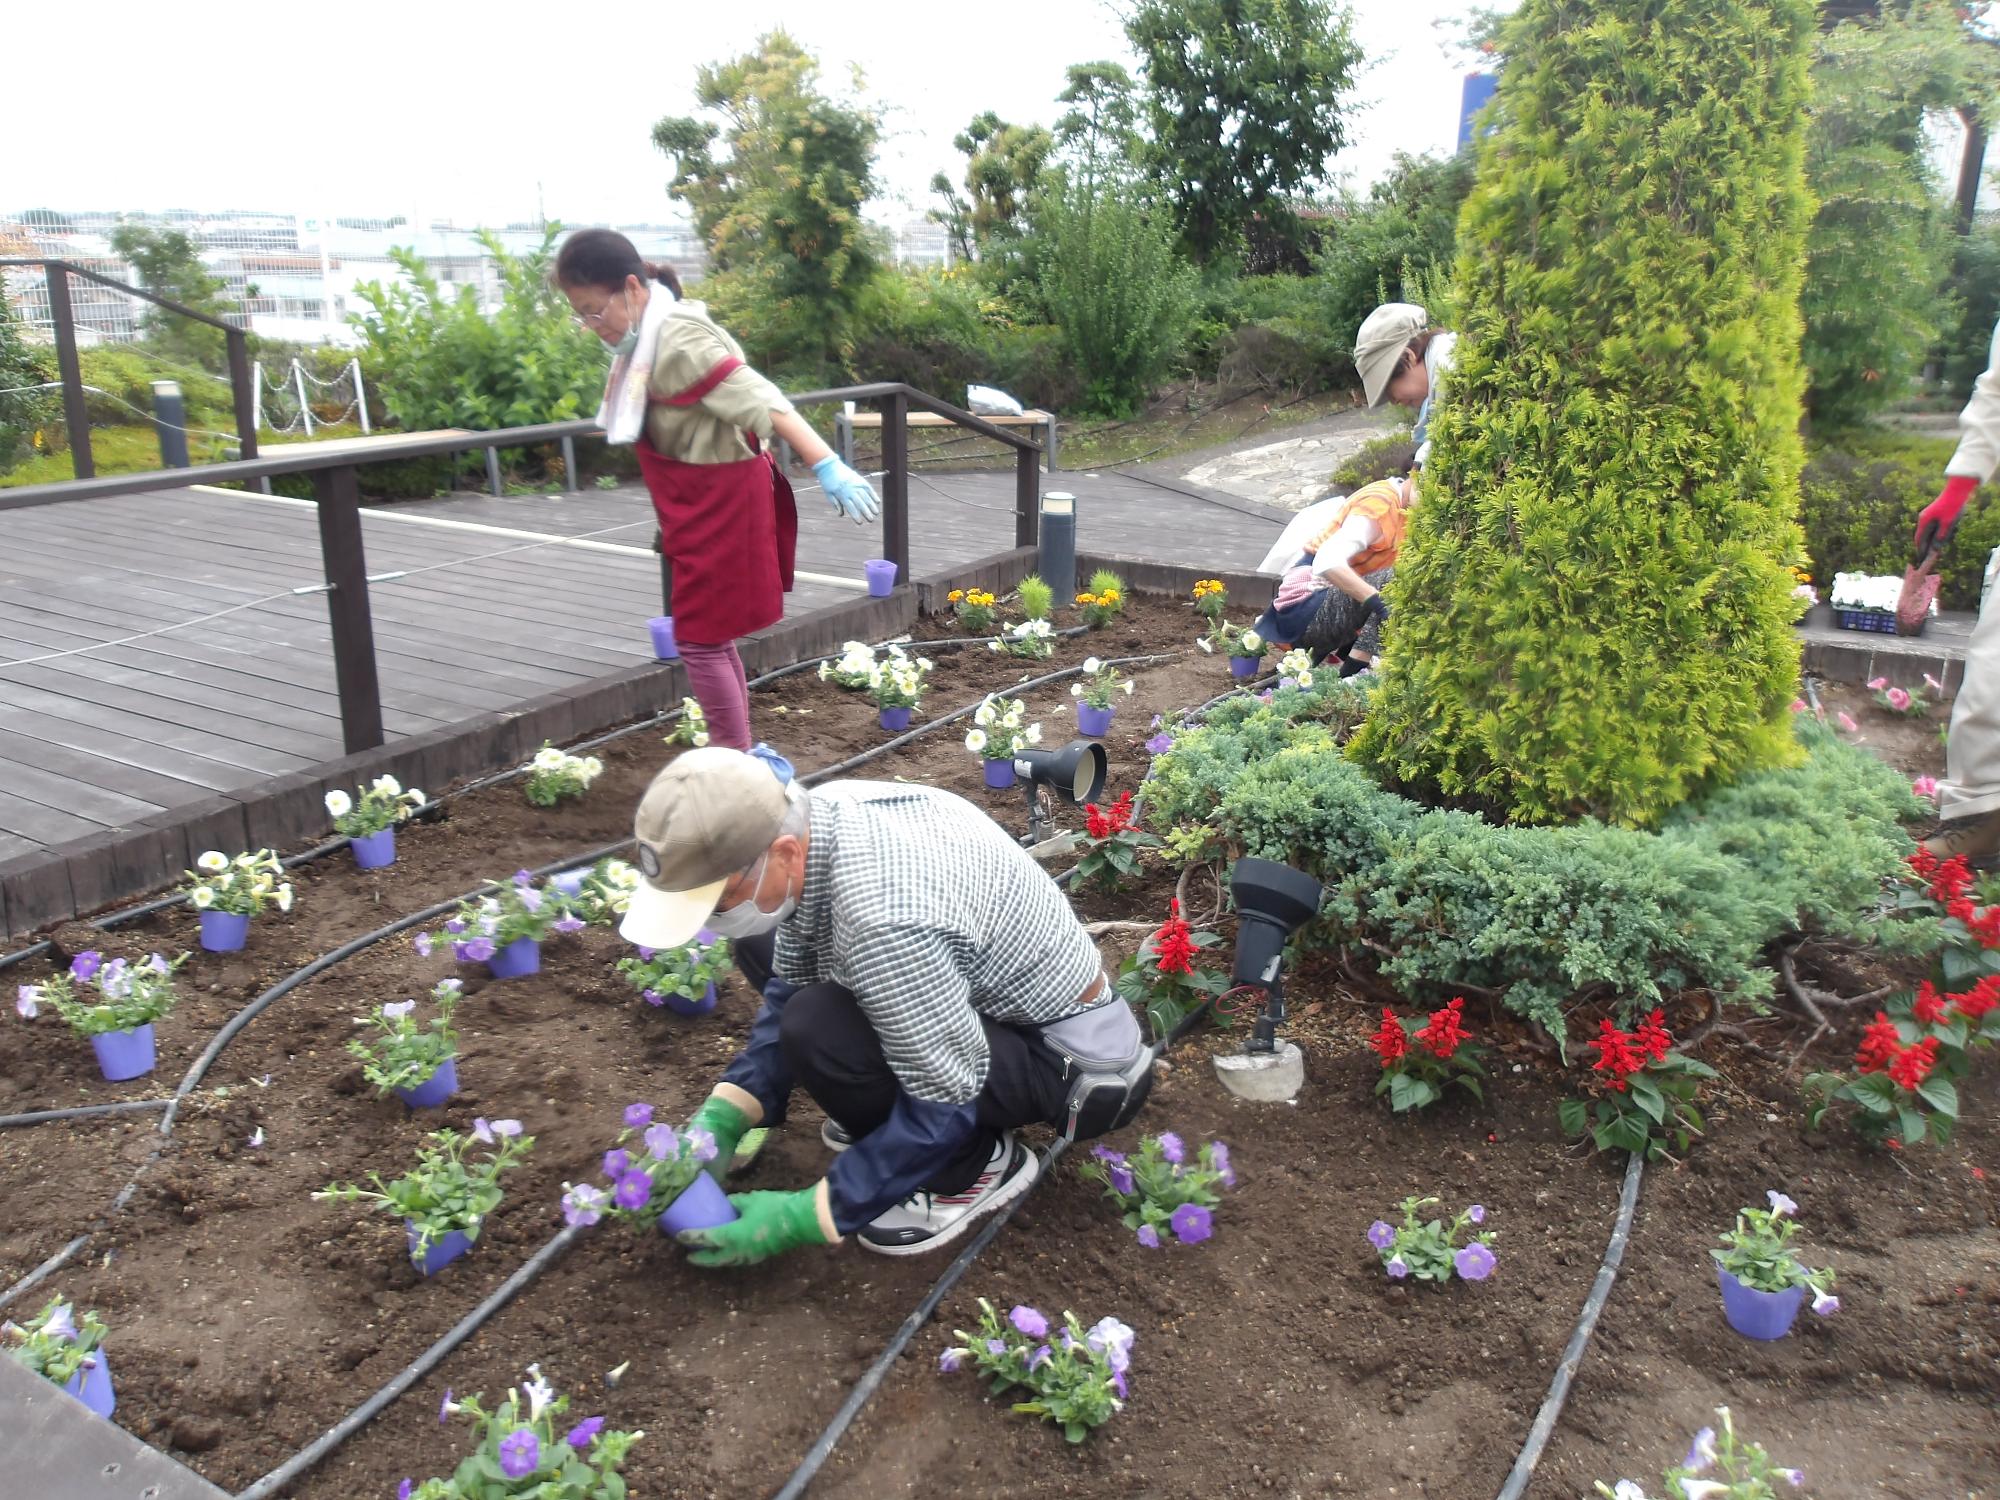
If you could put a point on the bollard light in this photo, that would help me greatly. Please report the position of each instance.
(170, 422)
(1057, 562)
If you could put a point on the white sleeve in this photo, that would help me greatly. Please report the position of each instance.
(1356, 535)
(1978, 453)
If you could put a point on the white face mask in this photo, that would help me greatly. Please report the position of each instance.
(747, 918)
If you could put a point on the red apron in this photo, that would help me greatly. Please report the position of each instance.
(731, 531)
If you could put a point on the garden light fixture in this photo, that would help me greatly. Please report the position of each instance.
(1272, 902)
(1075, 773)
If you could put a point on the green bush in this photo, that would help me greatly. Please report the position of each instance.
(1389, 456)
(1859, 497)
(1593, 613)
(1381, 248)
(23, 412)
(1115, 287)
(1274, 332)
(1975, 277)
(1447, 901)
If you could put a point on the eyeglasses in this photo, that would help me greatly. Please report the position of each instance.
(594, 321)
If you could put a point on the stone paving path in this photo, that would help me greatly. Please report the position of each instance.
(1293, 472)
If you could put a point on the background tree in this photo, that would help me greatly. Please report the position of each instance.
(1592, 614)
(781, 208)
(1386, 245)
(23, 412)
(1098, 136)
(1881, 247)
(1243, 103)
(168, 265)
(1004, 168)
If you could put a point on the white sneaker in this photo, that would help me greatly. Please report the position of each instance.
(833, 1137)
(924, 1221)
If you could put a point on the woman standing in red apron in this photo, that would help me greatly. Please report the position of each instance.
(703, 423)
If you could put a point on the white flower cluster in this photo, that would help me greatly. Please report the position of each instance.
(555, 774)
(898, 680)
(381, 804)
(241, 885)
(851, 670)
(693, 727)
(1031, 638)
(1295, 669)
(998, 732)
(1100, 682)
(1868, 591)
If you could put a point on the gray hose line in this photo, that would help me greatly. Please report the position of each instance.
(1579, 1339)
(82, 1112)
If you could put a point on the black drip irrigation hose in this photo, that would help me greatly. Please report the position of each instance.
(83, 1112)
(1579, 1339)
(563, 1239)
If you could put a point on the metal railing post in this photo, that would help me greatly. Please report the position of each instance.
(896, 481)
(1027, 496)
(243, 390)
(569, 466)
(339, 497)
(76, 414)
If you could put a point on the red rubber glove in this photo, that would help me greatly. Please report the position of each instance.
(1935, 521)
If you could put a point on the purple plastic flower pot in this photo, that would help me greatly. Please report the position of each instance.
(435, 1089)
(691, 1005)
(881, 576)
(1000, 774)
(124, 1054)
(224, 931)
(1091, 722)
(519, 958)
(701, 1205)
(375, 850)
(662, 627)
(895, 720)
(443, 1251)
(1243, 666)
(1755, 1314)
(92, 1385)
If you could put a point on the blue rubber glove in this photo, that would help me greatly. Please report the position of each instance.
(850, 493)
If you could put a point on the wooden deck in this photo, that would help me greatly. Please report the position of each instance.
(501, 602)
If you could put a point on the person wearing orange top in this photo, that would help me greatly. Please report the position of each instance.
(1330, 602)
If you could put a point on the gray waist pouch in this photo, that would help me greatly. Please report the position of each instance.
(1106, 1064)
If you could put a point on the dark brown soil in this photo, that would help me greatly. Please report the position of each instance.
(247, 1318)
(1912, 744)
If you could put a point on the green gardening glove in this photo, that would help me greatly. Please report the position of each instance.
(768, 1224)
(727, 1124)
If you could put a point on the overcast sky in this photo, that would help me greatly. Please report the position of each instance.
(468, 112)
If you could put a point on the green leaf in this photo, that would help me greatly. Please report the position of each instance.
(1648, 1098)
(1941, 1095)
(1574, 1116)
(1910, 1125)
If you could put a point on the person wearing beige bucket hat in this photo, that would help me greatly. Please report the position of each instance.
(923, 980)
(1402, 358)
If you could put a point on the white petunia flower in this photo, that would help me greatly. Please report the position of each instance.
(387, 785)
(415, 797)
(1092, 665)
(976, 741)
(1076, 690)
(700, 739)
(1252, 641)
(1202, 641)
(1128, 687)
(212, 863)
(338, 803)
(201, 898)
(985, 714)
(285, 896)
(548, 758)
(593, 767)
(1034, 734)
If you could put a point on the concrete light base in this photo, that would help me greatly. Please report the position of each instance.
(1263, 1077)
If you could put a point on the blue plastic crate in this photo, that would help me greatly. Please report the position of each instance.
(1882, 621)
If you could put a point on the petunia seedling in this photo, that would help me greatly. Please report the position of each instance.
(1160, 1191)
(55, 1343)
(1429, 1249)
(1075, 1378)
(526, 1446)
(444, 1192)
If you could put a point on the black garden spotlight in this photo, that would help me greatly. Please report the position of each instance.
(1273, 901)
(1075, 773)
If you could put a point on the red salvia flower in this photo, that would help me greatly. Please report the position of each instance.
(1929, 1006)
(1952, 879)
(1981, 998)
(1986, 927)
(1923, 863)
(1962, 908)
(1616, 1057)
(1880, 1042)
(1652, 1036)
(1913, 1064)
(1390, 1040)
(1107, 822)
(1173, 947)
(1445, 1029)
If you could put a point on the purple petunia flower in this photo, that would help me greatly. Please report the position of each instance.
(1105, 1153)
(706, 938)
(1701, 1452)
(1477, 1213)
(531, 898)
(584, 1433)
(1118, 1384)
(568, 924)
(638, 1116)
(661, 1142)
(1219, 1154)
(1122, 1181)
(1780, 1204)
(634, 1191)
(520, 1453)
(583, 1205)
(524, 877)
(1796, 1478)
(24, 1001)
(422, 943)
(647, 955)
(1381, 1235)
(1825, 1304)
(61, 1325)
(447, 1408)
(996, 1347)
(1027, 1320)
(617, 1162)
(569, 882)
(950, 1360)
(1159, 744)
(1149, 1236)
(1113, 1340)
(1171, 1147)
(1475, 1261)
(1041, 1356)
(403, 1489)
(397, 1009)
(478, 950)
(1192, 1223)
(1397, 1268)
(506, 1128)
(701, 1145)
(652, 997)
(455, 925)
(86, 964)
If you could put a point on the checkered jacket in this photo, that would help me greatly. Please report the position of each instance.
(923, 907)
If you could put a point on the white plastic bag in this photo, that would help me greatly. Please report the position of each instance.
(984, 401)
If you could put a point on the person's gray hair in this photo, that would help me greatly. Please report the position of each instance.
(798, 813)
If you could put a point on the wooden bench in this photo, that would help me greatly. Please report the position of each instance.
(848, 419)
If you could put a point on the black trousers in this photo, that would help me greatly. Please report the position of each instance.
(835, 1056)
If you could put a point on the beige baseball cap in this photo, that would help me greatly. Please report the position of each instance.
(704, 818)
(1384, 335)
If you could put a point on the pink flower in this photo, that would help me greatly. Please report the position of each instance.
(1925, 786)
(1846, 721)
(1798, 705)
(1933, 684)
(1876, 684)
(1898, 699)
